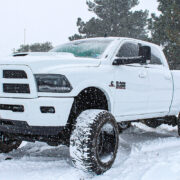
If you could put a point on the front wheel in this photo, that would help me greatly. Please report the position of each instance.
(8, 144)
(94, 141)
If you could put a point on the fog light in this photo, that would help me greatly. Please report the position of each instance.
(45, 109)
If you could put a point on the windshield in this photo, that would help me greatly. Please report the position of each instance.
(86, 48)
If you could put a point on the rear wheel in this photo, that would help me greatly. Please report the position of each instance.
(94, 141)
(178, 124)
(8, 144)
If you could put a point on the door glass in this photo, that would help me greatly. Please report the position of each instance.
(155, 56)
(128, 50)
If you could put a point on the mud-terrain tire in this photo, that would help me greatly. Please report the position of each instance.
(123, 126)
(7, 144)
(94, 141)
(152, 123)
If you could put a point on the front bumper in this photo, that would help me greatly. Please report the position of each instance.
(32, 111)
(22, 131)
(22, 128)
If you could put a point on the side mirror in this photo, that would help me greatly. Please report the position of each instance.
(145, 53)
(143, 58)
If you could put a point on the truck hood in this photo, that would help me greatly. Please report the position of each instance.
(49, 62)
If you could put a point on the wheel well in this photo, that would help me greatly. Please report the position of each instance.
(89, 98)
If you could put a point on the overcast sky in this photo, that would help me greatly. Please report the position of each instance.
(44, 20)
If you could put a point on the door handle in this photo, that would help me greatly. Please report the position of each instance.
(142, 75)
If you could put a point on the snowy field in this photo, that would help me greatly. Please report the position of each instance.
(144, 154)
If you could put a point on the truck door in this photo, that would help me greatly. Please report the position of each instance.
(131, 84)
(161, 83)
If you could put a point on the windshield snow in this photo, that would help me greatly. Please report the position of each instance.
(86, 48)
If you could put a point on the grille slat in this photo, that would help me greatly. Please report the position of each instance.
(14, 74)
(16, 88)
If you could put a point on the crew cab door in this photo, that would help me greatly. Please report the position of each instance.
(161, 83)
(131, 85)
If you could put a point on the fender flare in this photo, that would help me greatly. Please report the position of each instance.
(103, 87)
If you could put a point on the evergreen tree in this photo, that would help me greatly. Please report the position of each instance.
(36, 47)
(113, 18)
(165, 30)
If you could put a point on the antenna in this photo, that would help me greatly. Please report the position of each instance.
(24, 36)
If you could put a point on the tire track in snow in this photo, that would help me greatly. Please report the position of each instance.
(142, 151)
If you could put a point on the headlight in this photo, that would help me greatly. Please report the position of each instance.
(52, 83)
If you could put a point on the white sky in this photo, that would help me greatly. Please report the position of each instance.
(44, 20)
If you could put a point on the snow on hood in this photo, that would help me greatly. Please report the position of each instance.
(42, 54)
(47, 62)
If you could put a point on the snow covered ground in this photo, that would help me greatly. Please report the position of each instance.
(144, 154)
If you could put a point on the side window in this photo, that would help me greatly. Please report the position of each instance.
(128, 50)
(155, 56)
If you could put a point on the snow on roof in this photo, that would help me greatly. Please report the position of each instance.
(99, 38)
(115, 38)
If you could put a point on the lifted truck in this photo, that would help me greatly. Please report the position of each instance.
(82, 93)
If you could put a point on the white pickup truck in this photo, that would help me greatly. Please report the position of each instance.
(83, 93)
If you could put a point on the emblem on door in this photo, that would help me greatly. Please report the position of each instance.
(118, 84)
